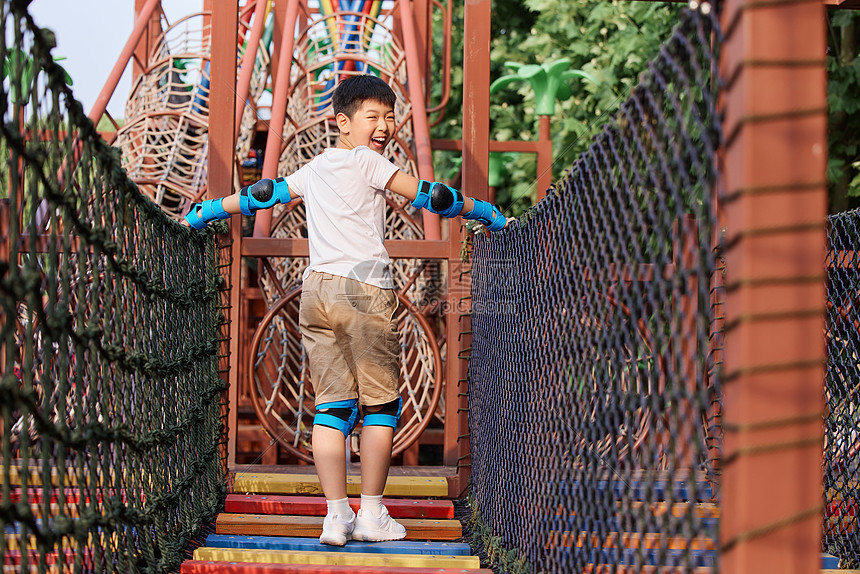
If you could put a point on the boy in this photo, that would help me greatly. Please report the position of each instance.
(348, 300)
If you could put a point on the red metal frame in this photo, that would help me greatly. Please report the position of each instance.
(140, 25)
(263, 220)
(248, 59)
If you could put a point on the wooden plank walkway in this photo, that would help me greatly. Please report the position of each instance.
(273, 520)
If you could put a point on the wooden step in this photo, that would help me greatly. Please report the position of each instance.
(275, 483)
(210, 567)
(336, 558)
(700, 509)
(649, 541)
(645, 490)
(316, 506)
(299, 544)
(287, 525)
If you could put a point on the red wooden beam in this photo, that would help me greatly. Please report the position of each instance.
(316, 506)
(207, 567)
(222, 106)
(776, 124)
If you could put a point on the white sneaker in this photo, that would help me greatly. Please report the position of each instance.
(336, 530)
(377, 528)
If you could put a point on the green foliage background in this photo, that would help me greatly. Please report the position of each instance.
(614, 41)
(843, 100)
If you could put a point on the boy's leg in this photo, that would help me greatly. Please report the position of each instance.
(363, 320)
(372, 523)
(330, 461)
(335, 388)
(376, 442)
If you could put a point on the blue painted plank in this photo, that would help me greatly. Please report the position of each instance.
(643, 557)
(681, 527)
(638, 490)
(829, 562)
(671, 558)
(313, 545)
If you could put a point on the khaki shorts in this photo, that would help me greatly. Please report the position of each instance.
(350, 336)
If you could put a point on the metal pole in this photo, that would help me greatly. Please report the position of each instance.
(248, 60)
(274, 138)
(140, 26)
(420, 127)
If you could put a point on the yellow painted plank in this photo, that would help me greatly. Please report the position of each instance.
(272, 483)
(69, 478)
(17, 542)
(700, 509)
(649, 541)
(337, 558)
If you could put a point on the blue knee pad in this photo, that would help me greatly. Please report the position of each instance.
(387, 417)
(339, 415)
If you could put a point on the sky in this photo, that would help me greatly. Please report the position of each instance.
(90, 35)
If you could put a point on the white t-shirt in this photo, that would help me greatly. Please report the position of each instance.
(344, 195)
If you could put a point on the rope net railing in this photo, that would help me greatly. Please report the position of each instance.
(842, 391)
(594, 393)
(112, 330)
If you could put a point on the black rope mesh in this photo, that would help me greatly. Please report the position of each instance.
(593, 379)
(842, 391)
(112, 332)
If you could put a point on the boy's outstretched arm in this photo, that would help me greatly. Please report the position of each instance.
(260, 195)
(446, 201)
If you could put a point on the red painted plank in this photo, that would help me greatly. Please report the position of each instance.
(315, 506)
(207, 567)
(311, 526)
(16, 558)
(36, 495)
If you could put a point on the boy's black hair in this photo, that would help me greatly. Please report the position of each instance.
(353, 91)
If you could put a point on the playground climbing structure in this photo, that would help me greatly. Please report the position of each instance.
(164, 139)
(684, 354)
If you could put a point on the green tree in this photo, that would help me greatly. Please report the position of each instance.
(843, 100)
(611, 41)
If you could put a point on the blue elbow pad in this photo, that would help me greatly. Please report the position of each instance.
(438, 198)
(488, 214)
(264, 194)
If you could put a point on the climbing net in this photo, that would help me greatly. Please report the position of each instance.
(165, 140)
(111, 331)
(593, 381)
(842, 391)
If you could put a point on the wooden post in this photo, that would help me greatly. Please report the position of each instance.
(144, 46)
(544, 157)
(774, 200)
(222, 105)
(476, 159)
